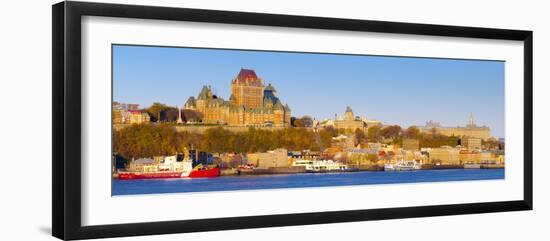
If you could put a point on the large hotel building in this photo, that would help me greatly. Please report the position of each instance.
(251, 103)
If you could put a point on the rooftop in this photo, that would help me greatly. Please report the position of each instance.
(248, 77)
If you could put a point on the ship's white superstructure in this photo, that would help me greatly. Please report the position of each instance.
(403, 165)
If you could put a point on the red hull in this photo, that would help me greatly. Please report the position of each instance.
(152, 175)
(210, 172)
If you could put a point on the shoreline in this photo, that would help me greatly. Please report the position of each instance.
(300, 170)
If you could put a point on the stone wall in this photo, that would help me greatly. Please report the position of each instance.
(202, 128)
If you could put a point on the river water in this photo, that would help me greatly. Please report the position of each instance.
(228, 183)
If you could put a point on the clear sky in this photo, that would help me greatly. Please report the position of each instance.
(395, 90)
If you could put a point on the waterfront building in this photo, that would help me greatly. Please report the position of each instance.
(445, 155)
(231, 160)
(349, 121)
(471, 143)
(274, 158)
(470, 130)
(251, 104)
(477, 157)
(362, 156)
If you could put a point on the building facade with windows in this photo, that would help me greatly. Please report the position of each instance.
(129, 114)
(251, 104)
(349, 121)
(470, 130)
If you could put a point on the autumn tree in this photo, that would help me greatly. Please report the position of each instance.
(412, 132)
(373, 134)
(360, 136)
(156, 111)
(138, 141)
(392, 132)
(171, 114)
(191, 115)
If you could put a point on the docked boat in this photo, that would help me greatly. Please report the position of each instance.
(322, 166)
(201, 171)
(472, 166)
(146, 168)
(148, 175)
(403, 165)
(307, 164)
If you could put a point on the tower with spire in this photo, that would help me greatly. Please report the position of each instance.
(471, 123)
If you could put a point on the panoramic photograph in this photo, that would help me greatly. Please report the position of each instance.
(200, 120)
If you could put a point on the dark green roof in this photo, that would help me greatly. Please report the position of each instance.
(191, 101)
(287, 108)
(204, 92)
(270, 87)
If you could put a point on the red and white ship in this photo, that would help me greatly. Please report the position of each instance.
(148, 175)
(146, 168)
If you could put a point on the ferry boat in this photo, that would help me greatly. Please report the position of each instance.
(403, 165)
(308, 164)
(322, 166)
(472, 166)
(146, 168)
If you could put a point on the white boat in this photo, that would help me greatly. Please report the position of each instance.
(403, 165)
(472, 166)
(308, 164)
(321, 165)
(328, 166)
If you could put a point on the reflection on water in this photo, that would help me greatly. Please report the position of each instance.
(227, 183)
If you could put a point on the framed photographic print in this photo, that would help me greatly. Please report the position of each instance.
(169, 120)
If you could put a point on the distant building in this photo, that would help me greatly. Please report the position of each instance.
(471, 143)
(275, 158)
(326, 123)
(372, 123)
(445, 155)
(232, 160)
(349, 121)
(125, 106)
(374, 145)
(470, 130)
(251, 103)
(138, 117)
(476, 157)
(128, 114)
(411, 144)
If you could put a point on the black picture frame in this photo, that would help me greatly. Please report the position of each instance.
(66, 75)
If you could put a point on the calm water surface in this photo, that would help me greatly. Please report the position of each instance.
(228, 183)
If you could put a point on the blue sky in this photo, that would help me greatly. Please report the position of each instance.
(396, 90)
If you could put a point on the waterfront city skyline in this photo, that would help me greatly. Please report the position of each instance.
(395, 90)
